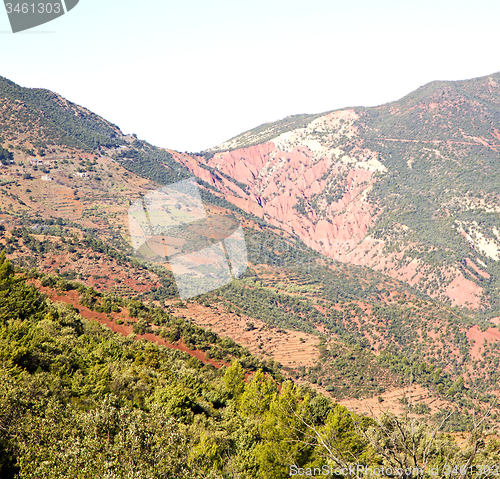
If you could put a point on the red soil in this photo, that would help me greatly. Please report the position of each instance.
(109, 320)
(464, 292)
(290, 348)
(475, 334)
(416, 394)
(476, 268)
(278, 180)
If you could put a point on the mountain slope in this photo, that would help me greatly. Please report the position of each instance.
(78, 400)
(410, 188)
(320, 236)
(56, 121)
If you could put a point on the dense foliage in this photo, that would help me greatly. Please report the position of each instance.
(80, 401)
(362, 309)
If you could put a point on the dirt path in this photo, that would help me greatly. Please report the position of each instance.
(109, 320)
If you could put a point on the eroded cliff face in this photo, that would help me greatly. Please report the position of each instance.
(308, 183)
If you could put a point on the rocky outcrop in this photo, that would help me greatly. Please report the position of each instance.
(320, 177)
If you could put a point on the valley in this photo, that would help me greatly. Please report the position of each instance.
(373, 274)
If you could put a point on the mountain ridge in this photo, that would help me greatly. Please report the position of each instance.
(295, 121)
(427, 157)
(317, 185)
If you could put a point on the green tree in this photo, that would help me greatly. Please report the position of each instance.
(257, 395)
(234, 379)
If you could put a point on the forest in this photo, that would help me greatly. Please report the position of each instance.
(80, 401)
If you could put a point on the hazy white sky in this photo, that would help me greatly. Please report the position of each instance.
(190, 74)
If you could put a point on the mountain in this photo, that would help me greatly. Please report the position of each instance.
(409, 188)
(372, 238)
(364, 272)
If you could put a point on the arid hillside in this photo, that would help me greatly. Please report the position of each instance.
(409, 188)
(359, 253)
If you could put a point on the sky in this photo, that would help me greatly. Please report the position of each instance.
(188, 75)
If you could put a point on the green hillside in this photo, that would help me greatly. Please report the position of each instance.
(54, 120)
(439, 146)
(437, 201)
(80, 401)
(75, 382)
